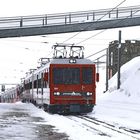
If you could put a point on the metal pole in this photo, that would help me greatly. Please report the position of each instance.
(119, 60)
(42, 84)
(106, 69)
(32, 86)
(21, 22)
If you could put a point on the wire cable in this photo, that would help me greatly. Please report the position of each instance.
(96, 53)
(96, 21)
(104, 29)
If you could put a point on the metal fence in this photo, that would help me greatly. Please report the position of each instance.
(69, 18)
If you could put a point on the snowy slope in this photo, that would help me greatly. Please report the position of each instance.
(122, 106)
(130, 76)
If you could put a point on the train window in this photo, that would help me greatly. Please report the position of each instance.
(87, 74)
(66, 75)
(39, 83)
(35, 83)
(45, 84)
(30, 85)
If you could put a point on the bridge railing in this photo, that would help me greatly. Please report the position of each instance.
(69, 18)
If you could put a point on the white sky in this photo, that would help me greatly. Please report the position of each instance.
(29, 7)
(18, 55)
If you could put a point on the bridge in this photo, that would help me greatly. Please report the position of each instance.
(69, 22)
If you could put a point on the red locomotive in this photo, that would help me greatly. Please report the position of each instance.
(65, 84)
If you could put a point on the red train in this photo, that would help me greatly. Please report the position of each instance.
(11, 95)
(65, 84)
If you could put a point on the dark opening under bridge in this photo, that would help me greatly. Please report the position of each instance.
(69, 22)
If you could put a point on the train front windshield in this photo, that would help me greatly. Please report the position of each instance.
(72, 75)
(66, 75)
(87, 74)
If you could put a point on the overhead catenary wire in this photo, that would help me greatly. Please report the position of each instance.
(91, 36)
(96, 21)
(101, 32)
(96, 53)
(104, 29)
(99, 57)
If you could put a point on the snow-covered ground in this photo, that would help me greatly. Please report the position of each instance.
(123, 105)
(25, 122)
(120, 108)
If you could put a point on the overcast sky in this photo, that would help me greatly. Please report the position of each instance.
(18, 55)
(29, 7)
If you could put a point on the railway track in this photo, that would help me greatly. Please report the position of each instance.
(133, 131)
(104, 128)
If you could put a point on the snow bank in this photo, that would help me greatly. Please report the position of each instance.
(130, 78)
(122, 107)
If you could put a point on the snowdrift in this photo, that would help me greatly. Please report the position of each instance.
(130, 79)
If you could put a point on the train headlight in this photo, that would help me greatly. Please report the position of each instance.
(72, 61)
(57, 93)
(89, 93)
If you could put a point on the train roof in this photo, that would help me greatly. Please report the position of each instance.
(69, 61)
(64, 61)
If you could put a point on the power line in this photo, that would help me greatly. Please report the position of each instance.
(80, 38)
(97, 34)
(91, 36)
(96, 21)
(96, 53)
(104, 29)
(100, 33)
(99, 58)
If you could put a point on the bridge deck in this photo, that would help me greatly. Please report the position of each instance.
(69, 22)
